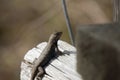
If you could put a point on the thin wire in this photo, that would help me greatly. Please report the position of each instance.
(68, 22)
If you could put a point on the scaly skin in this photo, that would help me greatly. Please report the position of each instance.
(47, 54)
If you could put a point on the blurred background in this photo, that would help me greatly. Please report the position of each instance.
(26, 23)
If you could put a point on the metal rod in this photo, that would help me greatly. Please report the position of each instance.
(116, 10)
(68, 22)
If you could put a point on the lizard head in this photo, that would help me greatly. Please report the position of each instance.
(55, 37)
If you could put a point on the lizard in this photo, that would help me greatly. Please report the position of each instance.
(47, 54)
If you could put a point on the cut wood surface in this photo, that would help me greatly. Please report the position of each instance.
(61, 68)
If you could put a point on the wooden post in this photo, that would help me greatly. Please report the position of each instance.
(61, 68)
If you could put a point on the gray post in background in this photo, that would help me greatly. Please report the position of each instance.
(98, 49)
(116, 10)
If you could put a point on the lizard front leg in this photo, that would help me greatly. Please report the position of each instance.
(57, 51)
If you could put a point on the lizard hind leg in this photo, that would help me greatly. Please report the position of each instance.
(38, 78)
(40, 73)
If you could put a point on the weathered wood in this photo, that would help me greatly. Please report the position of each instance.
(62, 68)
